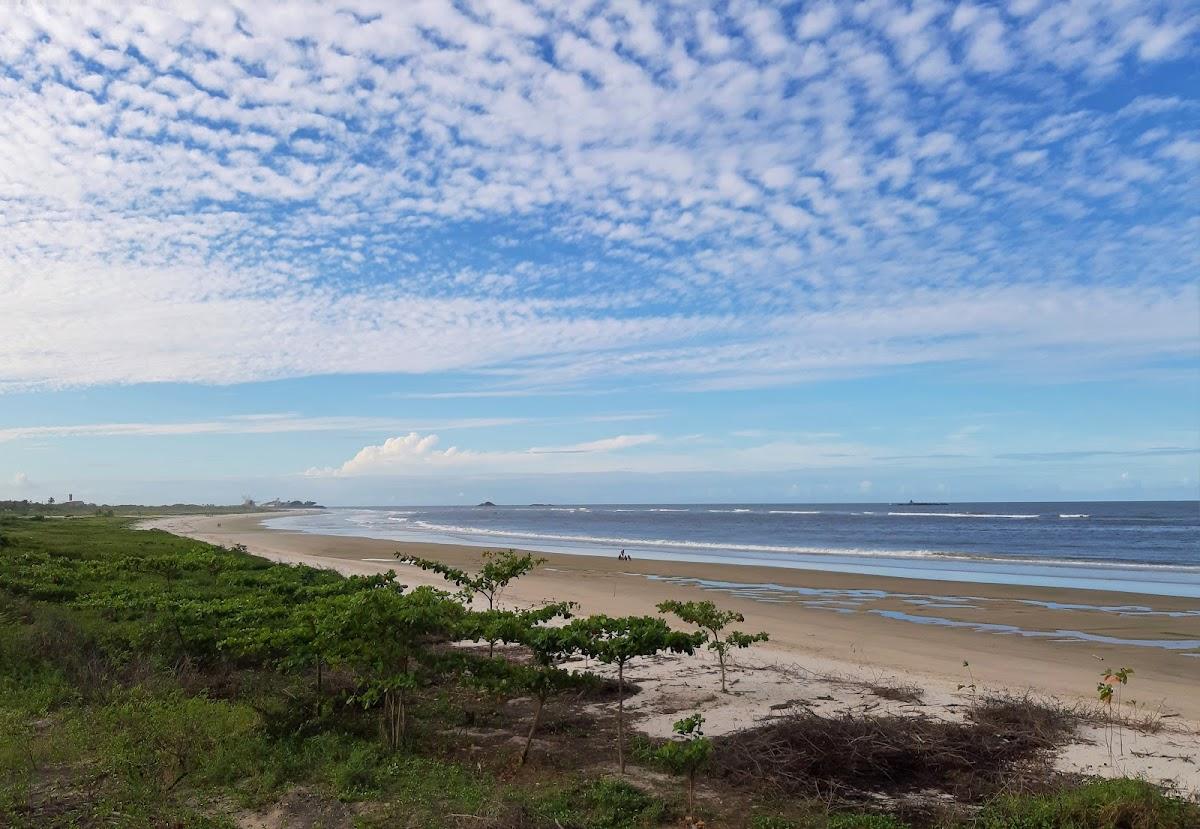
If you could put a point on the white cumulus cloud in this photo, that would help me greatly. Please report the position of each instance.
(415, 454)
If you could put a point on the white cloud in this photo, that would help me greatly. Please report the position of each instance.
(398, 454)
(601, 445)
(1026, 158)
(1183, 149)
(415, 454)
(1162, 42)
(229, 193)
(246, 425)
(988, 50)
(817, 21)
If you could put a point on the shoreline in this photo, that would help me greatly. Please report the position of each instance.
(1104, 575)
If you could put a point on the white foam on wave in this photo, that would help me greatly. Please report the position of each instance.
(1074, 515)
(665, 542)
(650, 509)
(684, 544)
(729, 510)
(965, 515)
(795, 512)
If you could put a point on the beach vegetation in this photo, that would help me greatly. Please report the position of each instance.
(618, 641)
(712, 622)
(1108, 690)
(549, 647)
(1101, 804)
(499, 569)
(384, 635)
(494, 626)
(606, 803)
(151, 680)
(970, 685)
(688, 754)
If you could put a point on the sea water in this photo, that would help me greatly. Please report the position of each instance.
(1134, 546)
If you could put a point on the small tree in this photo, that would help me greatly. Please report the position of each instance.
(1108, 689)
(498, 570)
(712, 621)
(618, 641)
(686, 756)
(510, 626)
(550, 647)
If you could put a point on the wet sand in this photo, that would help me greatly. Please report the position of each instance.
(839, 621)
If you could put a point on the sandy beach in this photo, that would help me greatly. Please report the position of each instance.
(835, 634)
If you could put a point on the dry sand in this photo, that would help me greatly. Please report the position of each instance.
(830, 647)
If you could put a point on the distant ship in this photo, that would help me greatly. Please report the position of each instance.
(922, 504)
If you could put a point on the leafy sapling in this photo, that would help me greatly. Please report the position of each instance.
(618, 641)
(970, 685)
(712, 621)
(498, 570)
(687, 755)
(550, 647)
(1108, 689)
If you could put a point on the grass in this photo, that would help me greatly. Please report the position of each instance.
(1107, 804)
(123, 703)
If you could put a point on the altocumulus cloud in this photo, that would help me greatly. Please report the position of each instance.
(719, 193)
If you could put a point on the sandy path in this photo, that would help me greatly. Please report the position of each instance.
(818, 653)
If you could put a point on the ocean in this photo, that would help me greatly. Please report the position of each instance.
(1133, 546)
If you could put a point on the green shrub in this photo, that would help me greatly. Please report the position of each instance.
(358, 776)
(865, 821)
(155, 741)
(604, 804)
(773, 822)
(1104, 804)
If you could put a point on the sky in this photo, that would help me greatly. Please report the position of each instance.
(432, 252)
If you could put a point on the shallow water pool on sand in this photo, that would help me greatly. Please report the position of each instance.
(861, 601)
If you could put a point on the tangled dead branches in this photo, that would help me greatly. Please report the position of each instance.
(806, 754)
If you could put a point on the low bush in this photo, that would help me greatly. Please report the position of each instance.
(1103, 804)
(603, 804)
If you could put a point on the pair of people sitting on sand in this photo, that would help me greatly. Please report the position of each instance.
(623, 556)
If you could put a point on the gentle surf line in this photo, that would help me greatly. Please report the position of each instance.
(1087, 571)
(819, 551)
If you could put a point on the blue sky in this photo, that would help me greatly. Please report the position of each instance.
(436, 252)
